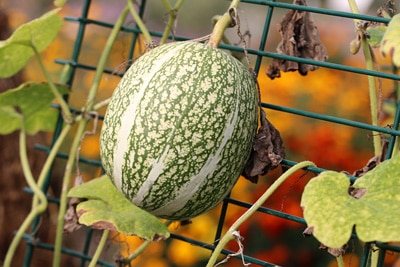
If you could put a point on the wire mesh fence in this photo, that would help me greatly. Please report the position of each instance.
(261, 51)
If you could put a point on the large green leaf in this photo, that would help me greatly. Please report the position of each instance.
(391, 40)
(17, 50)
(332, 211)
(106, 208)
(33, 101)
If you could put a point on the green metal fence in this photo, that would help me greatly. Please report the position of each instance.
(84, 21)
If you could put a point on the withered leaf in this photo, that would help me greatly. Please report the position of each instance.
(308, 231)
(268, 150)
(373, 162)
(300, 38)
(71, 218)
(357, 193)
(335, 251)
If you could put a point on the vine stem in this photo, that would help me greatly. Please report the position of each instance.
(50, 158)
(39, 203)
(373, 97)
(141, 248)
(369, 62)
(37, 209)
(229, 235)
(63, 104)
(102, 103)
(99, 248)
(224, 22)
(79, 133)
(339, 260)
(139, 22)
(172, 11)
(38, 198)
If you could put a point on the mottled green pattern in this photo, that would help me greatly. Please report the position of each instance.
(198, 109)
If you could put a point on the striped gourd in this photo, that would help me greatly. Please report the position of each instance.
(179, 129)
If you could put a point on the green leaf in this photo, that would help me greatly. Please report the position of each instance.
(332, 211)
(33, 101)
(391, 40)
(107, 208)
(59, 3)
(18, 49)
(376, 34)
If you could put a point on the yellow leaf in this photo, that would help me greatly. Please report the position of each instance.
(391, 40)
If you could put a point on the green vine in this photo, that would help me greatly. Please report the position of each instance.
(369, 62)
(224, 22)
(139, 22)
(39, 203)
(141, 248)
(42, 200)
(225, 40)
(172, 12)
(230, 234)
(80, 132)
(63, 104)
(339, 260)
(99, 248)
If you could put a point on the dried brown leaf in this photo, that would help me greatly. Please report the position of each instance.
(357, 193)
(300, 38)
(71, 218)
(308, 231)
(373, 162)
(268, 150)
(335, 251)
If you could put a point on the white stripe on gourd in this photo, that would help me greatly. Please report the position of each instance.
(156, 170)
(127, 120)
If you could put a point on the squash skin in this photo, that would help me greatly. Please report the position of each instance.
(179, 129)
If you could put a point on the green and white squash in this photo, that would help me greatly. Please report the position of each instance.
(179, 129)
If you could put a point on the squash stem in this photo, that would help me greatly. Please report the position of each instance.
(238, 55)
(229, 235)
(224, 22)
